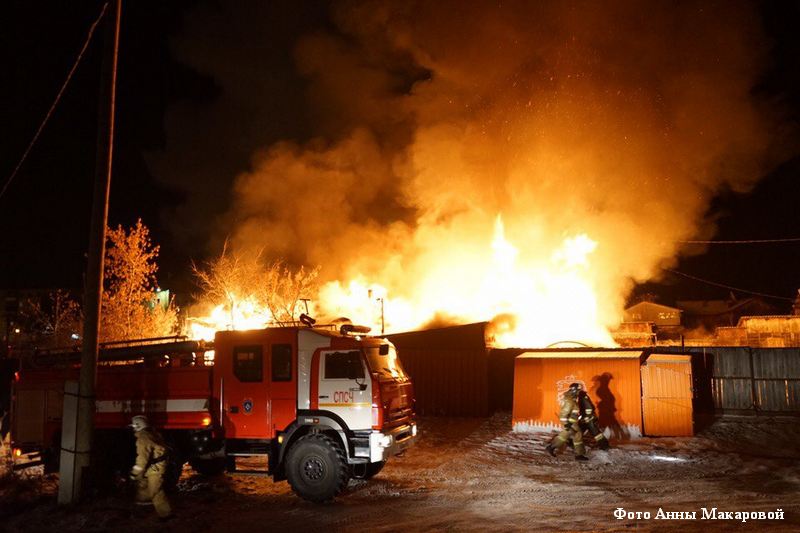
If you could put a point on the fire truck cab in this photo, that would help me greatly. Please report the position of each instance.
(322, 406)
(314, 406)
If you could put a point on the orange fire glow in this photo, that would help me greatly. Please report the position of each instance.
(531, 301)
(602, 151)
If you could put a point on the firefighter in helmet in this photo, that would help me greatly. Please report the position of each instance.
(150, 467)
(570, 418)
(588, 420)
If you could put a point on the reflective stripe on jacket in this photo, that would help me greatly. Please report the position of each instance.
(570, 412)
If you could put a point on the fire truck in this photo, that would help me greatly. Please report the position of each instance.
(311, 405)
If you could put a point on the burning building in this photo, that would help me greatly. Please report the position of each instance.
(521, 163)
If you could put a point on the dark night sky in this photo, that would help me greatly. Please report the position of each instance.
(44, 215)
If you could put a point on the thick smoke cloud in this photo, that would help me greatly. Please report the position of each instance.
(620, 120)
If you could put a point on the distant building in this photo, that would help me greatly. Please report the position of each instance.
(712, 314)
(660, 315)
(647, 323)
(774, 331)
(634, 334)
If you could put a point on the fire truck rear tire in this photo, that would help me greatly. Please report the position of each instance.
(316, 468)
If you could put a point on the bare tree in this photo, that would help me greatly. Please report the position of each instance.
(228, 279)
(52, 321)
(130, 306)
(232, 278)
(282, 290)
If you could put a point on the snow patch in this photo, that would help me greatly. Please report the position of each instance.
(532, 426)
(630, 431)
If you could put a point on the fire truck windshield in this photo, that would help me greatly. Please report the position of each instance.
(386, 366)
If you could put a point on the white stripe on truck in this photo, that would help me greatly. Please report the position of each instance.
(137, 406)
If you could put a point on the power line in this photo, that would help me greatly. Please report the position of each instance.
(751, 241)
(55, 102)
(715, 284)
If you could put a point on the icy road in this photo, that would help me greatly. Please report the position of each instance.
(478, 475)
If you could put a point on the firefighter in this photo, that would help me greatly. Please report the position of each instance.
(588, 420)
(150, 467)
(570, 417)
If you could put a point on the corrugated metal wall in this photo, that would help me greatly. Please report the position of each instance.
(776, 372)
(456, 375)
(744, 379)
(448, 382)
(613, 384)
(667, 396)
(449, 368)
(731, 377)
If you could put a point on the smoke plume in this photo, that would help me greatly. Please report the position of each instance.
(617, 120)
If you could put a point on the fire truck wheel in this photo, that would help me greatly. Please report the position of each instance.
(316, 468)
(208, 467)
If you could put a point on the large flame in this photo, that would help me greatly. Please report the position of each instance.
(536, 302)
(533, 303)
(247, 313)
(602, 149)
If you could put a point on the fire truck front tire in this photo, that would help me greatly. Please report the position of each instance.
(316, 468)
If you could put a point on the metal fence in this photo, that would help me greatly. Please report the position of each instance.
(753, 379)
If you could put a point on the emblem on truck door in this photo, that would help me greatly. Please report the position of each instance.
(247, 406)
(342, 397)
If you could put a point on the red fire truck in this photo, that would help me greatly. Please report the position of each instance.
(316, 406)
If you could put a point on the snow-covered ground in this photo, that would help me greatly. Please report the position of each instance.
(478, 475)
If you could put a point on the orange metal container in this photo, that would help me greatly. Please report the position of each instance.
(613, 379)
(667, 395)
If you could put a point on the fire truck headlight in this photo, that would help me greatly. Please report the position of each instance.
(413, 430)
(206, 420)
(385, 441)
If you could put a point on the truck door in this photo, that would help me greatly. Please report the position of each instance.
(246, 393)
(344, 387)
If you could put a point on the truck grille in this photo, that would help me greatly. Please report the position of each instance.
(396, 417)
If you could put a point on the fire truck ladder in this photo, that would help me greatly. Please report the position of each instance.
(131, 351)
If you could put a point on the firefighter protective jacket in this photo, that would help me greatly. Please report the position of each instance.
(587, 410)
(150, 453)
(570, 410)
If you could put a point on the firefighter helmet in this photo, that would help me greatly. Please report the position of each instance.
(575, 389)
(139, 422)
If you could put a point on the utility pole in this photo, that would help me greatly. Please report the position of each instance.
(78, 427)
(383, 323)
